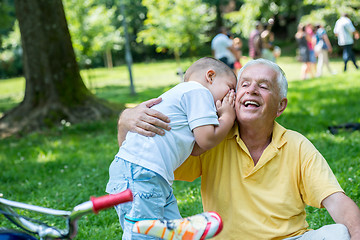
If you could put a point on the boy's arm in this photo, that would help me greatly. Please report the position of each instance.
(208, 136)
(197, 151)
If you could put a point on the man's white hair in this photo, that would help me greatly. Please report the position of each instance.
(281, 79)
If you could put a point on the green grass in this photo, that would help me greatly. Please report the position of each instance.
(62, 167)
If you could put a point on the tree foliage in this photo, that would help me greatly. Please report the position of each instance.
(172, 26)
(11, 53)
(285, 12)
(327, 12)
(176, 25)
(7, 17)
(90, 25)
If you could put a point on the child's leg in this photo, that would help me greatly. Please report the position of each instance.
(150, 192)
(171, 210)
(197, 227)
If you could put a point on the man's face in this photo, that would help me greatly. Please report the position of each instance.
(257, 96)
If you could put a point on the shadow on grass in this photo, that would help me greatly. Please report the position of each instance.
(62, 161)
(121, 94)
(7, 103)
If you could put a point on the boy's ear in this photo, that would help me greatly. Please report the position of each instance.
(210, 74)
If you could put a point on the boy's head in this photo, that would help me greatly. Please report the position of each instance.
(212, 74)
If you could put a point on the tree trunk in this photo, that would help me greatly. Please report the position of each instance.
(219, 17)
(180, 72)
(54, 88)
(108, 58)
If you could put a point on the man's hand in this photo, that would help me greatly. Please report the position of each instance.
(356, 35)
(143, 120)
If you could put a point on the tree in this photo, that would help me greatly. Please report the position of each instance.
(327, 12)
(176, 25)
(91, 36)
(7, 18)
(221, 7)
(285, 13)
(54, 88)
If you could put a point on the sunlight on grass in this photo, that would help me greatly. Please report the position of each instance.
(47, 156)
(150, 80)
(62, 167)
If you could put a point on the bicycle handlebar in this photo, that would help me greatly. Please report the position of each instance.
(94, 205)
(107, 201)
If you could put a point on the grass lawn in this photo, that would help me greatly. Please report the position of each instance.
(62, 167)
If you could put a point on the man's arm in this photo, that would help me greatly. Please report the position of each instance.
(356, 35)
(344, 210)
(143, 120)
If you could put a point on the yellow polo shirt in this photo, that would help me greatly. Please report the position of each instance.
(266, 201)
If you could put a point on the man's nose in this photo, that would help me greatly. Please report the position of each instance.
(253, 89)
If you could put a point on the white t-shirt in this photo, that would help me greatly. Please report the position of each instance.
(188, 105)
(344, 30)
(220, 44)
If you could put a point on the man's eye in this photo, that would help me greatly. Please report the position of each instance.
(264, 86)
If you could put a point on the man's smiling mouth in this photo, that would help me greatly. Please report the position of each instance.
(252, 103)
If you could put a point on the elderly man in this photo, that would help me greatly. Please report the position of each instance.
(261, 177)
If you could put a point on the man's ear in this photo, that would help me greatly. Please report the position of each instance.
(210, 74)
(282, 106)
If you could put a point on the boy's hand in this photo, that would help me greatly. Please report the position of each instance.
(226, 107)
(208, 136)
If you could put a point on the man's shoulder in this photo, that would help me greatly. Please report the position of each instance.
(220, 38)
(293, 134)
(296, 140)
(283, 134)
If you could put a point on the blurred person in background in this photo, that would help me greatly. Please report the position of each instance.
(322, 48)
(267, 41)
(309, 29)
(345, 31)
(302, 39)
(255, 41)
(223, 49)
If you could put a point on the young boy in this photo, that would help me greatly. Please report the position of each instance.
(146, 164)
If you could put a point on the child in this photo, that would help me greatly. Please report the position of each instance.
(146, 164)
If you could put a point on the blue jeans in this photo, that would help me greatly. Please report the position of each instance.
(348, 54)
(153, 196)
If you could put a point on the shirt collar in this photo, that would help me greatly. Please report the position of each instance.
(278, 139)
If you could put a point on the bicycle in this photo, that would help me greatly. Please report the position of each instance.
(32, 227)
(198, 227)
